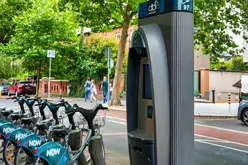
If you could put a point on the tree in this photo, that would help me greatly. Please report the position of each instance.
(8, 10)
(41, 28)
(106, 15)
(92, 61)
(213, 19)
(7, 67)
(220, 66)
(236, 64)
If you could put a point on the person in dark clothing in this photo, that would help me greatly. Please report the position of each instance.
(104, 87)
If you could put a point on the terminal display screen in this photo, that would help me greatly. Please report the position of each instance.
(147, 93)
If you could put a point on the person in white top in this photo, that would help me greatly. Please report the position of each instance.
(93, 90)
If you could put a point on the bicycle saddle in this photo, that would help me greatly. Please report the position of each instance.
(60, 132)
(16, 116)
(2, 109)
(44, 124)
(28, 121)
(54, 107)
(7, 112)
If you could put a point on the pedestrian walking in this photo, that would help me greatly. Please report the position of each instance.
(93, 90)
(88, 89)
(104, 87)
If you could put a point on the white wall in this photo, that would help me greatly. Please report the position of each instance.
(223, 81)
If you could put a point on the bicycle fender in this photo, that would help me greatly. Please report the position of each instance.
(3, 122)
(19, 134)
(32, 141)
(7, 129)
(54, 153)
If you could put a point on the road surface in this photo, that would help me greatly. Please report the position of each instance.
(217, 142)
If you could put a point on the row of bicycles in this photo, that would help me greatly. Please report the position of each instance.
(40, 136)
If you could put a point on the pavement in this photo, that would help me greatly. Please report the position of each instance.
(202, 108)
(217, 141)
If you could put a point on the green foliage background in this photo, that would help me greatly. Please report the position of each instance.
(28, 28)
(236, 64)
(92, 62)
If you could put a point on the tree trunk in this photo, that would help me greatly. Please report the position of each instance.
(38, 81)
(118, 71)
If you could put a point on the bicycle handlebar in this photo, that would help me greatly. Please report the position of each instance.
(89, 114)
(16, 99)
(96, 108)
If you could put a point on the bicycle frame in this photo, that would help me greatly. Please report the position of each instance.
(33, 141)
(55, 154)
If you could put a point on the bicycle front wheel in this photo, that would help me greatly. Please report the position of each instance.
(39, 161)
(9, 149)
(23, 157)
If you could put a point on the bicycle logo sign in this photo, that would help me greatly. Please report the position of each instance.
(154, 7)
(53, 152)
(34, 143)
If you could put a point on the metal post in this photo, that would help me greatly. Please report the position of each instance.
(49, 83)
(108, 73)
(181, 66)
(213, 96)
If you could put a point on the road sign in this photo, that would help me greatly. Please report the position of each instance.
(111, 63)
(51, 53)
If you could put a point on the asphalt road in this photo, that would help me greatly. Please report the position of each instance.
(217, 142)
(207, 150)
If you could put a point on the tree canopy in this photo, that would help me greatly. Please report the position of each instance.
(8, 10)
(215, 20)
(40, 29)
(236, 64)
(28, 28)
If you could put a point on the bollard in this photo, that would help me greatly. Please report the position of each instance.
(213, 96)
(60, 94)
(229, 98)
(229, 102)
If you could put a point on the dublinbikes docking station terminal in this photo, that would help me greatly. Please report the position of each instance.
(160, 105)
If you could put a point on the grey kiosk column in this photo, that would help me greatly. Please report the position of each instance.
(160, 105)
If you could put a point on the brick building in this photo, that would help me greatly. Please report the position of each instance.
(56, 86)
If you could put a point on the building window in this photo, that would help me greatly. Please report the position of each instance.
(118, 36)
